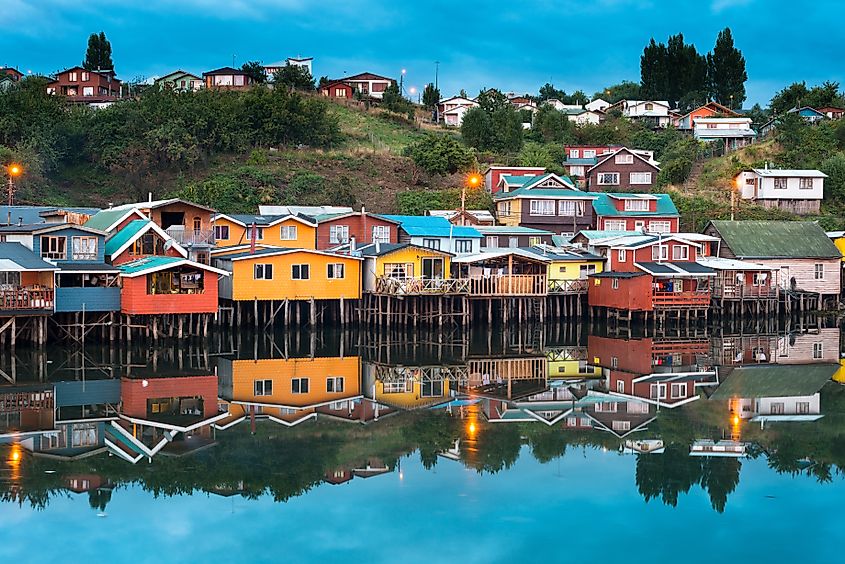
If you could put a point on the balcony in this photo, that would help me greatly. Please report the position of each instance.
(743, 291)
(559, 287)
(669, 300)
(191, 237)
(389, 286)
(508, 285)
(18, 299)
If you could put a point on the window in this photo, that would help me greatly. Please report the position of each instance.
(381, 234)
(431, 388)
(10, 278)
(589, 153)
(802, 407)
(615, 284)
(288, 233)
(712, 125)
(760, 278)
(570, 208)
(262, 272)
(818, 272)
(622, 255)
(84, 248)
(657, 391)
(513, 242)
(623, 158)
(532, 241)
(263, 387)
(649, 107)
(542, 207)
(300, 272)
(777, 408)
(660, 226)
(805, 183)
(620, 386)
(492, 242)
(621, 425)
(660, 252)
(504, 209)
(259, 233)
(431, 244)
(180, 281)
(334, 385)
(86, 76)
(608, 179)
(615, 225)
(84, 434)
(818, 350)
(679, 390)
(780, 183)
(148, 244)
(640, 178)
(87, 90)
(680, 252)
(53, 248)
(299, 385)
(72, 77)
(573, 153)
(335, 271)
(221, 232)
(463, 245)
(338, 233)
(636, 204)
(614, 362)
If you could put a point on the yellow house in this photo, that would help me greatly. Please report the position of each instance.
(408, 387)
(403, 261)
(838, 238)
(292, 385)
(569, 263)
(289, 274)
(288, 231)
(238, 249)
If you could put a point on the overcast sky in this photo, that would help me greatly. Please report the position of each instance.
(515, 46)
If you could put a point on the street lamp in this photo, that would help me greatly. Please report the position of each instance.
(13, 170)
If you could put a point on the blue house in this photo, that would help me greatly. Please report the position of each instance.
(84, 282)
(437, 233)
(810, 115)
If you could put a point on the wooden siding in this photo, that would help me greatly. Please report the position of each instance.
(319, 286)
(522, 240)
(374, 266)
(305, 235)
(134, 393)
(558, 223)
(360, 227)
(135, 300)
(802, 348)
(624, 170)
(89, 299)
(632, 294)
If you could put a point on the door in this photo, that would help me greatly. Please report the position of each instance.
(432, 268)
(639, 225)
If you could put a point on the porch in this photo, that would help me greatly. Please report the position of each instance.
(392, 286)
(504, 273)
(26, 299)
(558, 287)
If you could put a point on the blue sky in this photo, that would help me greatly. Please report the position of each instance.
(515, 46)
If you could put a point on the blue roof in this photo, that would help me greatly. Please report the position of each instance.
(432, 226)
(591, 234)
(148, 263)
(589, 161)
(128, 233)
(603, 205)
(15, 257)
(32, 214)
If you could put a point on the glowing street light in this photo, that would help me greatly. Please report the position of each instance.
(14, 170)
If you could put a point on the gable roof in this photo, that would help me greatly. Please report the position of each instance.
(803, 110)
(716, 107)
(325, 217)
(373, 250)
(432, 226)
(775, 239)
(246, 220)
(148, 265)
(133, 230)
(272, 252)
(152, 204)
(365, 76)
(605, 157)
(603, 205)
(774, 380)
(14, 257)
(224, 70)
(788, 172)
(108, 220)
(176, 73)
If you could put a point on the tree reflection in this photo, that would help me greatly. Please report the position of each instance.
(496, 448)
(720, 477)
(667, 475)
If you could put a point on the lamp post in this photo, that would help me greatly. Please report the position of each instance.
(13, 170)
(473, 181)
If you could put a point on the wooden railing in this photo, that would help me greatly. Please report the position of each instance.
(188, 236)
(21, 299)
(420, 286)
(509, 285)
(680, 299)
(739, 291)
(568, 286)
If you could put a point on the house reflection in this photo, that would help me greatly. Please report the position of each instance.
(408, 387)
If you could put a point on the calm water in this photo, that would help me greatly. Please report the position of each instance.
(544, 445)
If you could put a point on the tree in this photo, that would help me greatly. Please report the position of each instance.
(393, 100)
(654, 71)
(726, 71)
(491, 99)
(294, 77)
(552, 126)
(477, 129)
(548, 92)
(255, 71)
(674, 72)
(834, 184)
(535, 154)
(788, 98)
(441, 155)
(430, 96)
(463, 93)
(507, 130)
(798, 95)
(625, 90)
(98, 54)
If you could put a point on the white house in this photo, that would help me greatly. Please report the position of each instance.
(655, 113)
(734, 132)
(304, 62)
(597, 105)
(367, 83)
(452, 110)
(580, 116)
(561, 107)
(797, 191)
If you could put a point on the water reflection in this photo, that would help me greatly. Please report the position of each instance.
(280, 414)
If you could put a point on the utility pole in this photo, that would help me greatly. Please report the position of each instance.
(436, 74)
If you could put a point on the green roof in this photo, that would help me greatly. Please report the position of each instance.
(147, 263)
(776, 239)
(775, 380)
(102, 220)
(125, 235)
(603, 205)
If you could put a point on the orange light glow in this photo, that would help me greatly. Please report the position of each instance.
(474, 180)
(736, 420)
(471, 428)
(15, 169)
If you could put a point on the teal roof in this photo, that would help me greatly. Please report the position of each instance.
(593, 234)
(104, 219)
(147, 263)
(516, 180)
(603, 205)
(432, 226)
(128, 233)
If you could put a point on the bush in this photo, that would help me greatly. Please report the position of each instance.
(441, 155)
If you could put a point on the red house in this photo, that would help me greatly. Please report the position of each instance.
(85, 86)
(141, 238)
(654, 213)
(227, 78)
(623, 170)
(179, 403)
(363, 227)
(163, 285)
(337, 89)
(494, 174)
(710, 109)
(651, 272)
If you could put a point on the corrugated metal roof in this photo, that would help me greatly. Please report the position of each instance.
(430, 226)
(510, 230)
(603, 205)
(128, 233)
(776, 239)
(774, 381)
(790, 172)
(32, 214)
(14, 257)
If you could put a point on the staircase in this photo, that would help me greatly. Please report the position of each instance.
(691, 183)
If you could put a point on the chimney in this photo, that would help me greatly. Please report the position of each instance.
(378, 246)
(150, 196)
(111, 205)
(351, 245)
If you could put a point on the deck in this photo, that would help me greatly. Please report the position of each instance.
(745, 292)
(20, 300)
(676, 300)
(521, 285)
(389, 286)
(567, 287)
(191, 237)
(516, 285)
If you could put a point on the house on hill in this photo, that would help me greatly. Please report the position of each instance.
(731, 132)
(437, 233)
(708, 110)
(368, 84)
(655, 213)
(806, 259)
(796, 191)
(494, 173)
(652, 113)
(180, 81)
(451, 111)
(227, 78)
(81, 86)
(547, 202)
(622, 170)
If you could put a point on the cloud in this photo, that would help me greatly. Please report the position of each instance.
(719, 6)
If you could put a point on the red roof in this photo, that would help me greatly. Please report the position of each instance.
(364, 76)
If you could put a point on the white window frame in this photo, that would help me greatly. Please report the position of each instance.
(660, 252)
(218, 232)
(547, 208)
(601, 179)
(660, 388)
(681, 388)
(660, 226)
(623, 158)
(259, 233)
(642, 178)
(615, 225)
(589, 153)
(84, 248)
(818, 350)
(288, 233)
(491, 242)
(338, 234)
(296, 385)
(636, 204)
(463, 245)
(622, 255)
(431, 244)
(262, 387)
(818, 271)
(381, 234)
(262, 271)
(614, 283)
(682, 255)
(570, 208)
(334, 385)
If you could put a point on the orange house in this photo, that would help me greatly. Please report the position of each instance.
(710, 109)
(292, 231)
(162, 285)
